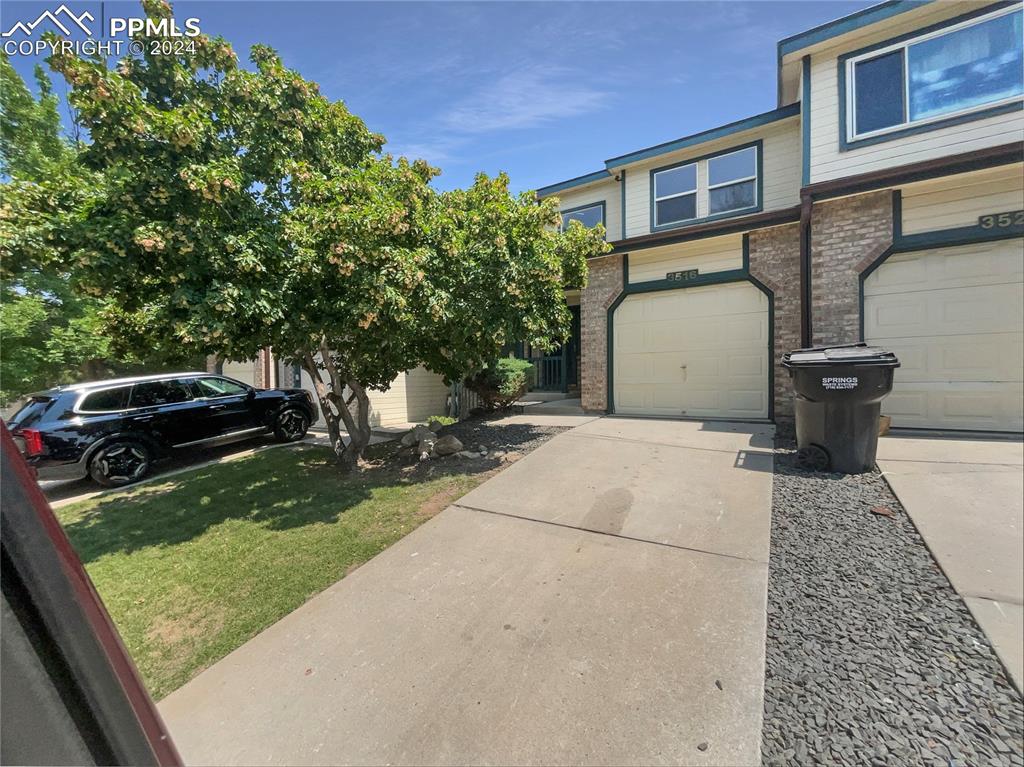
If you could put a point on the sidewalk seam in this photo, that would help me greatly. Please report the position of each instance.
(610, 535)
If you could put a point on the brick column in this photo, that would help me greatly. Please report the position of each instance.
(775, 261)
(603, 286)
(846, 236)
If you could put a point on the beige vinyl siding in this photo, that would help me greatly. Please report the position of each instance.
(828, 162)
(413, 397)
(956, 201)
(608, 192)
(781, 169)
(715, 254)
(246, 372)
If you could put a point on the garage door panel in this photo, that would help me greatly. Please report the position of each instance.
(947, 311)
(720, 335)
(992, 263)
(978, 357)
(954, 318)
(989, 408)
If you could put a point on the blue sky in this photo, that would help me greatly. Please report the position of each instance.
(542, 90)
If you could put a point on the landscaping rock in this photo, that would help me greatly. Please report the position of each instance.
(871, 656)
(418, 434)
(426, 446)
(435, 425)
(447, 445)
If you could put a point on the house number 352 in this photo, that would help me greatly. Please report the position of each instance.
(1001, 220)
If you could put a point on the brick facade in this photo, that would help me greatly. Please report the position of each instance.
(775, 261)
(603, 286)
(846, 236)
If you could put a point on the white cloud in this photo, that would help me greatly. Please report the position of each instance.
(527, 97)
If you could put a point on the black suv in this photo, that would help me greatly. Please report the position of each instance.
(114, 430)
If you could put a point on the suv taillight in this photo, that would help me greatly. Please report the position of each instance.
(33, 441)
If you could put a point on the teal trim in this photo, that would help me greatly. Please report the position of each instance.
(622, 177)
(547, 191)
(765, 118)
(961, 235)
(771, 340)
(846, 24)
(746, 254)
(598, 204)
(897, 214)
(625, 270)
(759, 185)
(710, 278)
(805, 122)
(911, 129)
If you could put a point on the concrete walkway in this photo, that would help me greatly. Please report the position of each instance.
(966, 497)
(601, 601)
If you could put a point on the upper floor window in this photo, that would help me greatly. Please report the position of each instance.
(732, 181)
(715, 185)
(588, 215)
(675, 194)
(970, 66)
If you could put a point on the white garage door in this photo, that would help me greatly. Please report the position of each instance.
(954, 317)
(699, 352)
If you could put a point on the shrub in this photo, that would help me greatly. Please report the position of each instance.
(444, 420)
(501, 383)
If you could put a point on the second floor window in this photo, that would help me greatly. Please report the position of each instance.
(732, 181)
(590, 216)
(969, 66)
(675, 194)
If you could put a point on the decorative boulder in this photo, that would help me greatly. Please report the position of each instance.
(435, 425)
(447, 445)
(418, 434)
(426, 446)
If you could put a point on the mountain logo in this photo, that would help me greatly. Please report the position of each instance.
(55, 18)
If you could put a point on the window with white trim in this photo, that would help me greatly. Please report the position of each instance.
(590, 216)
(675, 194)
(961, 69)
(732, 181)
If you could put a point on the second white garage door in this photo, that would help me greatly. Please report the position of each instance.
(700, 352)
(954, 318)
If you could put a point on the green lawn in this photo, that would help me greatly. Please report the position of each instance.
(192, 567)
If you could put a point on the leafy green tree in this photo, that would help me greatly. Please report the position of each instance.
(50, 334)
(240, 208)
(53, 332)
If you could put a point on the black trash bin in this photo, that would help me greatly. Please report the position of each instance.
(839, 391)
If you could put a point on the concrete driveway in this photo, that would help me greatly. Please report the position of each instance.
(966, 497)
(602, 601)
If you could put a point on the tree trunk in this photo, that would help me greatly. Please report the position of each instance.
(336, 411)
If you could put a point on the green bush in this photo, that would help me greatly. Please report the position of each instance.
(444, 420)
(501, 383)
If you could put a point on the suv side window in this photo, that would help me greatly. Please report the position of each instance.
(219, 387)
(154, 393)
(105, 401)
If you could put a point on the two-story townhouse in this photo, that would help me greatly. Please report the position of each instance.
(883, 200)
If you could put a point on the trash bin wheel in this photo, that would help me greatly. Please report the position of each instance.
(812, 458)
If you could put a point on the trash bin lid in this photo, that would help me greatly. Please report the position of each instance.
(848, 354)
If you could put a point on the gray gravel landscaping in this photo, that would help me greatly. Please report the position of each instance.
(872, 657)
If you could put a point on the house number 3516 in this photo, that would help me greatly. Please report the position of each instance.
(1002, 220)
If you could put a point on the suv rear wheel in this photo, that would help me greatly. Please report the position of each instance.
(120, 463)
(291, 425)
